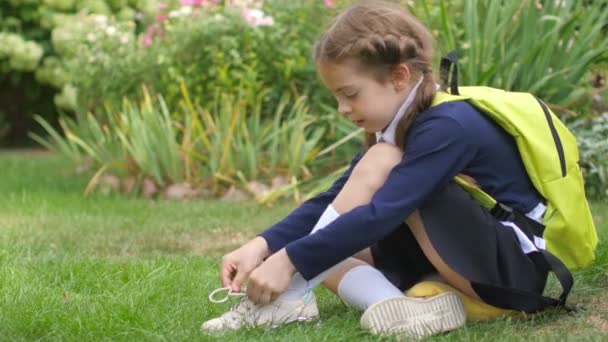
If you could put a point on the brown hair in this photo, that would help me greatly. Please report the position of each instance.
(380, 35)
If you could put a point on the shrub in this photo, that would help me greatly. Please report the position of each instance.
(26, 50)
(592, 137)
(544, 47)
(230, 144)
(4, 127)
(210, 49)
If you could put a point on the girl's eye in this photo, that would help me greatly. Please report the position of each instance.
(351, 95)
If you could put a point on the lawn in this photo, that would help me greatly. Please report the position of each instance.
(116, 268)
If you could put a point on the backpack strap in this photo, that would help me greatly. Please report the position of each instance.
(563, 275)
(447, 61)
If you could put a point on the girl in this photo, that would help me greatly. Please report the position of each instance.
(396, 216)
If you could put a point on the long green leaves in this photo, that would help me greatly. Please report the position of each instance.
(227, 143)
(237, 145)
(148, 137)
(544, 47)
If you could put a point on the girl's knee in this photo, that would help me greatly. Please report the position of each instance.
(377, 163)
(388, 153)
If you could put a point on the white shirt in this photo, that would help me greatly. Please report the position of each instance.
(388, 135)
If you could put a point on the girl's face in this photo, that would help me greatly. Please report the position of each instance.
(363, 99)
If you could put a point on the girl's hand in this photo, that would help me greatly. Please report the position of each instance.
(270, 279)
(238, 264)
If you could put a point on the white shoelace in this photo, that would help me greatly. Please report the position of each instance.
(229, 294)
(224, 299)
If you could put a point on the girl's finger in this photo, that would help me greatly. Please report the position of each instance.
(238, 280)
(265, 297)
(252, 291)
(274, 296)
(227, 274)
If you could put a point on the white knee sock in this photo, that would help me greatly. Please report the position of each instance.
(363, 286)
(299, 286)
(329, 215)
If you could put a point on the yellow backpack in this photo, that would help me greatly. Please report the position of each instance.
(550, 156)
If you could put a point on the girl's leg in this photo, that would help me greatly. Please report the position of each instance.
(363, 258)
(367, 177)
(475, 253)
(451, 277)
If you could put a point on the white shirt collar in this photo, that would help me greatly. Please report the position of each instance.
(388, 135)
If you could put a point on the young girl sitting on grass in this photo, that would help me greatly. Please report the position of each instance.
(396, 216)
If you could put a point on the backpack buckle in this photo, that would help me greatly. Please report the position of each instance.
(502, 212)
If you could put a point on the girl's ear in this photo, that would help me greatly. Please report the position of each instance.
(400, 76)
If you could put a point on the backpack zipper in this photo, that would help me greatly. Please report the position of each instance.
(556, 139)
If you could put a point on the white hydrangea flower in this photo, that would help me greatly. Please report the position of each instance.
(91, 37)
(101, 19)
(111, 30)
(125, 39)
(67, 99)
(26, 56)
(185, 10)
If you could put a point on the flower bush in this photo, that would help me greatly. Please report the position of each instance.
(237, 103)
(212, 46)
(235, 127)
(32, 71)
(22, 55)
(87, 41)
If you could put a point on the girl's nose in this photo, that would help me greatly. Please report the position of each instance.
(343, 108)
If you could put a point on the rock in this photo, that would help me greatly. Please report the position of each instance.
(257, 189)
(234, 194)
(110, 181)
(203, 192)
(148, 188)
(179, 192)
(128, 184)
(278, 182)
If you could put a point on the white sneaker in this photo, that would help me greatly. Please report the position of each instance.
(415, 317)
(248, 314)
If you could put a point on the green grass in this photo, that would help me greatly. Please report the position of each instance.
(121, 269)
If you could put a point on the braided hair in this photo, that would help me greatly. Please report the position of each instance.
(379, 36)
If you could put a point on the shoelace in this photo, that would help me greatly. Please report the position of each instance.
(224, 299)
(229, 294)
(241, 311)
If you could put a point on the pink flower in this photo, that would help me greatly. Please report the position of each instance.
(191, 2)
(147, 41)
(329, 3)
(198, 3)
(256, 17)
(152, 31)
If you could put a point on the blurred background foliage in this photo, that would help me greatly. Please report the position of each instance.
(219, 98)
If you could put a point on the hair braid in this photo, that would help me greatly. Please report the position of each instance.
(380, 36)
